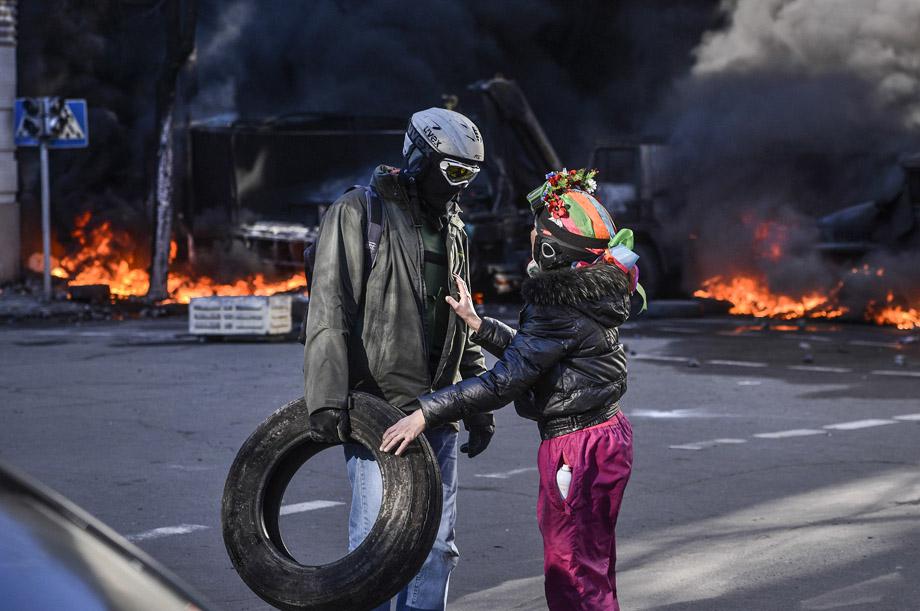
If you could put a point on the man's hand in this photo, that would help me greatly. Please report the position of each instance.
(481, 428)
(404, 432)
(329, 425)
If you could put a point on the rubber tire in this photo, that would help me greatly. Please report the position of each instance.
(381, 566)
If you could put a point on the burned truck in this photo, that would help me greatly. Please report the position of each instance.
(268, 183)
(890, 224)
(634, 179)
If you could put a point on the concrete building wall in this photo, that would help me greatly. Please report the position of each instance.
(9, 206)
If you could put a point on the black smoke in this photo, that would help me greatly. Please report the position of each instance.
(106, 52)
(786, 117)
(590, 69)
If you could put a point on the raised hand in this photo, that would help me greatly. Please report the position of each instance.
(464, 306)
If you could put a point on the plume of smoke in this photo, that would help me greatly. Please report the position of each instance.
(874, 40)
(793, 109)
(71, 49)
(219, 48)
(589, 72)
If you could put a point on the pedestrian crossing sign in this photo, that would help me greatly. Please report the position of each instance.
(70, 124)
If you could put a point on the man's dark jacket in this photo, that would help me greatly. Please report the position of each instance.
(565, 359)
(365, 328)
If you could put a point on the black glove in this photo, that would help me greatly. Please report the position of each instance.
(481, 428)
(329, 425)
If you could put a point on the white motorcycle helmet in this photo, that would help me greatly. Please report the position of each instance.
(443, 151)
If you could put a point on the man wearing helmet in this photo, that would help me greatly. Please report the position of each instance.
(384, 327)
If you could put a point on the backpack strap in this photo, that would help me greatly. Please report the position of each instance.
(375, 218)
(374, 222)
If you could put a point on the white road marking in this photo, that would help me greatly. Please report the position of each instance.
(908, 417)
(308, 506)
(891, 372)
(736, 363)
(166, 531)
(859, 424)
(184, 529)
(664, 359)
(188, 467)
(820, 369)
(749, 382)
(699, 445)
(790, 433)
(670, 414)
(506, 474)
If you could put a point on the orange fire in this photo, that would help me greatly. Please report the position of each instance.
(750, 295)
(903, 317)
(107, 256)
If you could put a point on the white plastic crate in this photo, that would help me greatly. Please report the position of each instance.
(248, 315)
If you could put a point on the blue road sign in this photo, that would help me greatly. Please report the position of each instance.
(73, 134)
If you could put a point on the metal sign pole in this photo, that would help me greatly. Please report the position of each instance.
(49, 123)
(46, 218)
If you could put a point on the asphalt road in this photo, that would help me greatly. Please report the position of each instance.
(776, 468)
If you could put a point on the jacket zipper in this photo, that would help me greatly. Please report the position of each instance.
(423, 295)
(449, 244)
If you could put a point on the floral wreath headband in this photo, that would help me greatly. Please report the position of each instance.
(619, 251)
(548, 195)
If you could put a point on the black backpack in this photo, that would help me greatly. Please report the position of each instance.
(374, 232)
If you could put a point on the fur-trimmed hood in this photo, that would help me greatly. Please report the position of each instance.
(600, 291)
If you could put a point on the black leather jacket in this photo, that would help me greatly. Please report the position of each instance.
(565, 359)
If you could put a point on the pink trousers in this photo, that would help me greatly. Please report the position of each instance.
(579, 540)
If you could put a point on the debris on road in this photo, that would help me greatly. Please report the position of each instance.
(90, 293)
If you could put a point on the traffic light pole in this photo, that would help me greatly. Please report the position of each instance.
(46, 218)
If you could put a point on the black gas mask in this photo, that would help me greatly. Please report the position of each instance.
(554, 247)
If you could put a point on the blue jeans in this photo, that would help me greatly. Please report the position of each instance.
(428, 590)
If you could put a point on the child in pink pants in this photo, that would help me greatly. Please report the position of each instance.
(579, 542)
(565, 369)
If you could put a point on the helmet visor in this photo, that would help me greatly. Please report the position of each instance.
(457, 173)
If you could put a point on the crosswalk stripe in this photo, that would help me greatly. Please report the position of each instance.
(790, 433)
(858, 424)
(307, 506)
(891, 372)
(699, 445)
(736, 363)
